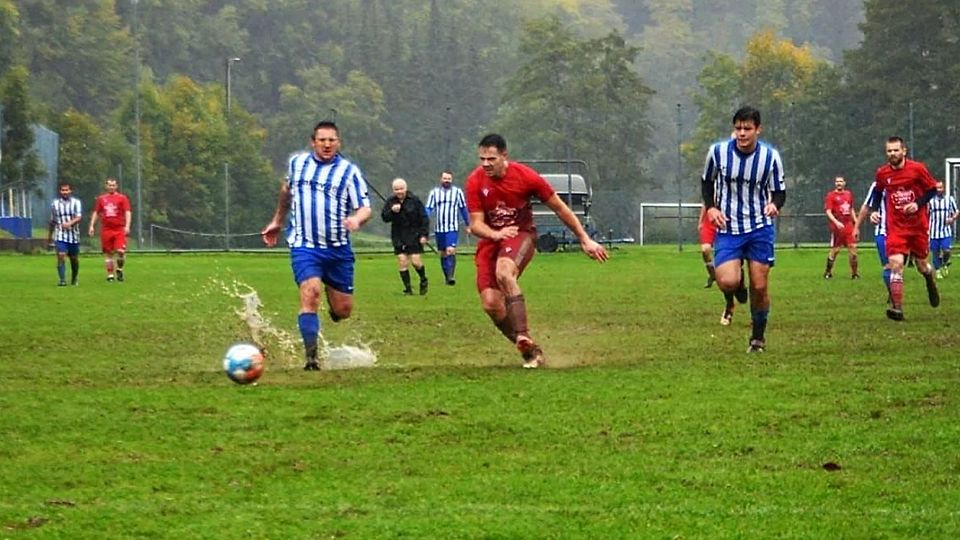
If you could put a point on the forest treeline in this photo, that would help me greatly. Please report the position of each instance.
(637, 89)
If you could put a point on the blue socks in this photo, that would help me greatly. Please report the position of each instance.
(759, 319)
(309, 324)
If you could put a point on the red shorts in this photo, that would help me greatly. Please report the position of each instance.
(113, 240)
(842, 237)
(906, 243)
(708, 233)
(519, 249)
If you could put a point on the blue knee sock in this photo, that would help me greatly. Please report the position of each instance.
(886, 278)
(759, 318)
(309, 324)
(62, 270)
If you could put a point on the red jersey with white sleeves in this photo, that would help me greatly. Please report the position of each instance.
(840, 204)
(901, 187)
(506, 201)
(112, 208)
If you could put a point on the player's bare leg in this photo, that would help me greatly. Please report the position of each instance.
(515, 312)
(108, 264)
(421, 271)
(308, 321)
(494, 305)
(895, 311)
(403, 263)
(706, 252)
(121, 259)
(854, 264)
(831, 258)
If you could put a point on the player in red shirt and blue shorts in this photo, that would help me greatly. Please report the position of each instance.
(113, 210)
(906, 188)
(501, 216)
(838, 205)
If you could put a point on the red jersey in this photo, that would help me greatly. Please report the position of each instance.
(506, 201)
(901, 187)
(112, 209)
(840, 204)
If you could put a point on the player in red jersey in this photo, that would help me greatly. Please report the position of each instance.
(906, 186)
(501, 216)
(842, 221)
(113, 210)
(708, 234)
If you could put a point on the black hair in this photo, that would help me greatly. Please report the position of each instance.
(745, 114)
(493, 139)
(325, 124)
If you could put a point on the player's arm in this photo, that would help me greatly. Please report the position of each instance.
(589, 246)
(424, 229)
(358, 218)
(708, 194)
(73, 221)
(925, 198)
(833, 219)
(777, 200)
(51, 226)
(93, 223)
(272, 229)
(479, 228)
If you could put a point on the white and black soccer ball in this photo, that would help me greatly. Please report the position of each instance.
(243, 363)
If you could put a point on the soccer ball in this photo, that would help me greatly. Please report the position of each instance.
(243, 363)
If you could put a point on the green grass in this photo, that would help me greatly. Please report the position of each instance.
(116, 422)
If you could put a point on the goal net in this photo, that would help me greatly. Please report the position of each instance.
(170, 238)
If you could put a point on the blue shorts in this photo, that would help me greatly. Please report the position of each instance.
(446, 239)
(881, 241)
(334, 266)
(69, 248)
(756, 246)
(937, 244)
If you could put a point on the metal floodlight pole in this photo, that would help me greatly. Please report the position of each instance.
(226, 164)
(679, 179)
(136, 101)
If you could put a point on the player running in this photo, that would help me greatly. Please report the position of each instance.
(907, 187)
(743, 189)
(498, 200)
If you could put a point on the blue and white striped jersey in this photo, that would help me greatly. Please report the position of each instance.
(447, 206)
(881, 228)
(322, 195)
(940, 208)
(743, 183)
(61, 211)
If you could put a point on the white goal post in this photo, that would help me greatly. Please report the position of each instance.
(951, 172)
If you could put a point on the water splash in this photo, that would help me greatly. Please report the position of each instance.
(280, 344)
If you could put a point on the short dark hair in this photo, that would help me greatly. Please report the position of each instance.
(446, 171)
(896, 138)
(325, 124)
(747, 113)
(493, 139)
